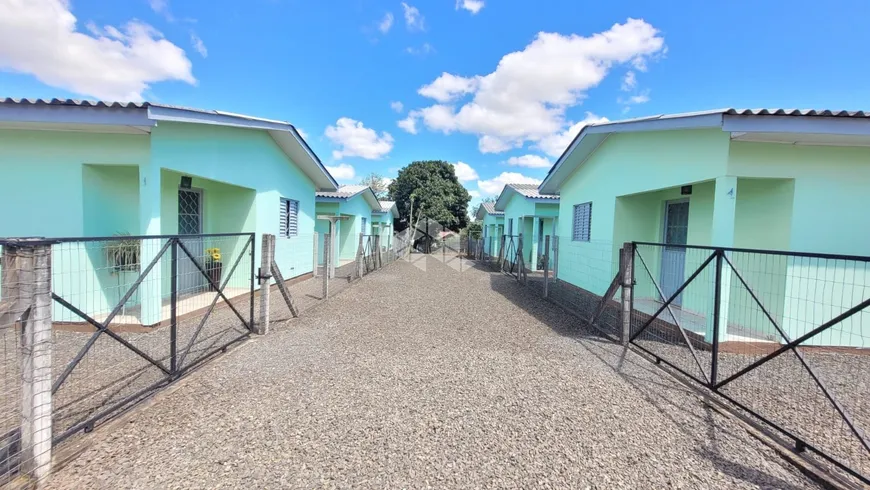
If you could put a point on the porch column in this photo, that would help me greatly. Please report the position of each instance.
(724, 211)
(151, 289)
(533, 259)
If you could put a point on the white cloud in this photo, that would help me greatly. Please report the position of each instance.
(474, 194)
(356, 140)
(342, 171)
(409, 124)
(493, 186)
(629, 81)
(40, 38)
(555, 144)
(385, 24)
(425, 49)
(302, 133)
(529, 161)
(473, 6)
(413, 19)
(526, 98)
(640, 98)
(397, 106)
(161, 7)
(448, 87)
(464, 172)
(198, 45)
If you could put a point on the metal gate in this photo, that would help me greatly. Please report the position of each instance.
(783, 336)
(123, 328)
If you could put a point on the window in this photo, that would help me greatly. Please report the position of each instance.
(289, 225)
(510, 227)
(364, 222)
(582, 222)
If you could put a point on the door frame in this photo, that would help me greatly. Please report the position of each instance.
(191, 276)
(201, 210)
(678, 301)
(664, 223)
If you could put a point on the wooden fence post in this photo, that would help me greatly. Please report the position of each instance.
(627, 269)
(501, 253)
(378, 248)
(555, 257)
(27, 302)
(360, 257)
(314, 261)
(519, 259)
(267, 253)
(327, 263)
(546, 266)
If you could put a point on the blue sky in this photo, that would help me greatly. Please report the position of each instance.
(499, 85)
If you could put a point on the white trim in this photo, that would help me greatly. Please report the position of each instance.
(797, 124)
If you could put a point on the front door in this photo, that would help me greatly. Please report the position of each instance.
(676, 227)
(190, 280)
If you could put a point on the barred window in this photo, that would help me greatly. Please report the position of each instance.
(289, 224)
(582, 222)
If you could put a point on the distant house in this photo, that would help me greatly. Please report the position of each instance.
(492, 226)
(353, 205)
(382, 222)
(761, 179)
(530, 213)
(92, 169)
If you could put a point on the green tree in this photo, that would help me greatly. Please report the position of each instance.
(475, 230)
(377, 183)
(436, 193)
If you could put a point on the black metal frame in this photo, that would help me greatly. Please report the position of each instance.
(720, 256)
(177, 365)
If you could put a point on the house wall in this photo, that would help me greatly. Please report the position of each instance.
(243, 158)
(494, 226)
(321, 226)
(829, 188)
(357, 208)
(627, 164)
(57, 177)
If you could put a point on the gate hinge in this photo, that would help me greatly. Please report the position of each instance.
(261, 276)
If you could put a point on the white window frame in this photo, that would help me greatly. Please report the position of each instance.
(577, 228)
(284, 227)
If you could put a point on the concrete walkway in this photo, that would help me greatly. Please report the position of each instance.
(427, 378)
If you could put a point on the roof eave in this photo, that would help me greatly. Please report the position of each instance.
(699, 120)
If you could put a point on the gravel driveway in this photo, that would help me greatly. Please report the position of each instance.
(432, 378)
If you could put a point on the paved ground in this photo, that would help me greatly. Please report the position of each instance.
(432, 378)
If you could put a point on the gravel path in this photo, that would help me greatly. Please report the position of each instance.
(432, 378)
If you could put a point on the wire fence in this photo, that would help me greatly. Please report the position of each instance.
(122, 317)
(783, 337)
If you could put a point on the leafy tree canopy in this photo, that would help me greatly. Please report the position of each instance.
(475, 230)
(377, 183)
(436, 192)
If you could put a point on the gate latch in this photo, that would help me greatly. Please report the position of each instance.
(263, 277)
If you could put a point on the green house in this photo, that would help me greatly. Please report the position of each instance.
(778, 180)
(96, 169)
(530, 213)
(350, 208)
(382, 223)
(492, 225)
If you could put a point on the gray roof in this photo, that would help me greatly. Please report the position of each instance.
(489, 207)
(776, 120)
(76, 102)
(531, 191)
(386, 206)
(144, 115)
(343, 192)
